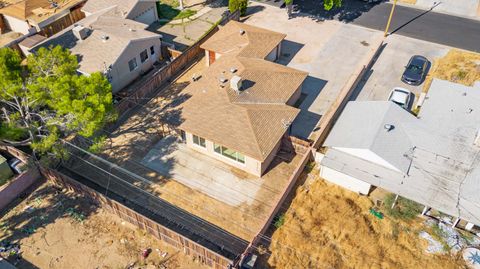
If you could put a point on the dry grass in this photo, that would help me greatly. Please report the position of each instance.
(329, 227)
(457, 66)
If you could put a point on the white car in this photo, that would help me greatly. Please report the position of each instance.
(400, 96)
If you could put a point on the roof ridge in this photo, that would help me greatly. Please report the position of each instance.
(247, 111)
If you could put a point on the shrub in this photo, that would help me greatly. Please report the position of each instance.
(404, 209)
(234, 5)
(279, 221)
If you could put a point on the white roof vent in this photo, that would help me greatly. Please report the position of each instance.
(242, 32)
(104, 38)
(233, 70)
(222, 79)
(80, 32)
(236, 84)
(388, 127)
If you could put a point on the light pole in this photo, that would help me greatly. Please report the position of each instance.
(390, 18)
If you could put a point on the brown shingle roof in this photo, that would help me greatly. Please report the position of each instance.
(37, 10)
(254, 42)
(251, 122)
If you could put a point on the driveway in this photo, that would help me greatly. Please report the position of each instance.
(329, 51)
(185, 34)
(388, 69)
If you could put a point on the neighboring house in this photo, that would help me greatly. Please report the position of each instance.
(240, 109)
(433, 159)
(120, 48)
(144, 11)
(243, 40)
(43, 16)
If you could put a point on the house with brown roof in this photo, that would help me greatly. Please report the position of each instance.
(143, 11)
(119, 48)
(43, 16)
(240, 109)
(243, 40)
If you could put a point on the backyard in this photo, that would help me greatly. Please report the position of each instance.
(212, 190)
(54, 228)
(337, 229)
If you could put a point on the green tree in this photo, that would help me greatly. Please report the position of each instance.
(47, 100)
(234, 5)
(329, 4)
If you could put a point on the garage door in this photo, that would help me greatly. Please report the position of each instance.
(148, 17)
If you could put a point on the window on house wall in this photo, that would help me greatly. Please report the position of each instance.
(143, 56)
(200, 141)
(132, 64)
(229, 153)
(152, 50)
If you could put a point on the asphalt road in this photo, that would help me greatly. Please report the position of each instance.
(420, 24)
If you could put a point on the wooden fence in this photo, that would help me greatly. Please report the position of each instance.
(151, 84)
(201, 253)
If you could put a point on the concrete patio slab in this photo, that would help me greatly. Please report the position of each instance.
(202, 173)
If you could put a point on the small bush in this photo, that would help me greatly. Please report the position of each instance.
(404, 209)
(279, 221)
(234, 5)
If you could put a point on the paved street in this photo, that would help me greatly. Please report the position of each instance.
(407, 21)
(429, 26)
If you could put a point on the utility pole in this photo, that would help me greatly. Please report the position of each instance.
(390, 18)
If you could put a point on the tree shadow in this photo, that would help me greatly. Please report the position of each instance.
(348, 12)
(44, 206)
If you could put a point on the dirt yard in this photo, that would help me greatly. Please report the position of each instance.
(329, 227)
(143, 129)
(57, 229)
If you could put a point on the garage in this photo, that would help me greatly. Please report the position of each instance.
(147, 17)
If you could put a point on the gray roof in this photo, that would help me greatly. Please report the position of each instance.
(445, 163)
(95, 53)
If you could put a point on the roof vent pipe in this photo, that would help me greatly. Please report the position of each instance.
(388, 127)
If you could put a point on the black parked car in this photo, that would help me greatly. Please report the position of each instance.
(416, 70)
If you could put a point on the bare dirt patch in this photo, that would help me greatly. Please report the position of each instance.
(57, 229)
(329, 227)
(457, 66)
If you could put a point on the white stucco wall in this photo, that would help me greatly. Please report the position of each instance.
(251, 165)
(273, 55)
(368, 155)
(16, 25)
(121, 74)
(344, 180)
(147, 16)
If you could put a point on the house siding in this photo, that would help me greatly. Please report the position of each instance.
(121, 74)
(344, 180)
(17, 25)
(271, 157)
(274, 54)
(144, 13)
(251, 165)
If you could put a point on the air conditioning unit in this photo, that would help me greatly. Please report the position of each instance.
(80, 32)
